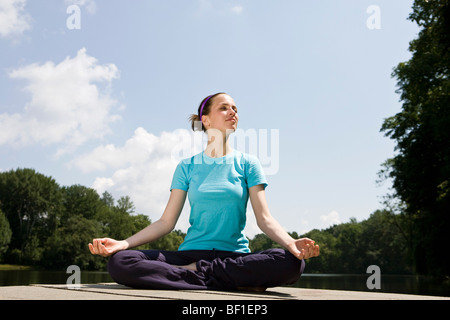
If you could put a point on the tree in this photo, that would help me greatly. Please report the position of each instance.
(69, 245)
(385, 242)
(169, 242)
(82, 201)
(119, 221)
(420, 171)
(348, 251)
(261, 242)
(31, 203)
(5, 234)
(45, 225)
(107, 199)
(327, 261)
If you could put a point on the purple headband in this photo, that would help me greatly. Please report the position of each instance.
(203, 105)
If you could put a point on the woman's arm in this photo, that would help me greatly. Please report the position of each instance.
(164, 225)
(301, 248)
(153, 232)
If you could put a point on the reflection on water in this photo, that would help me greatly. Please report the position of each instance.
(389, 283)
(408, 284)
(26, 277)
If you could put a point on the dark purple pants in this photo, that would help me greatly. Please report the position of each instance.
(216, 270)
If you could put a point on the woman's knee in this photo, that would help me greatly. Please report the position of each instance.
(292, 268)
(119, 264)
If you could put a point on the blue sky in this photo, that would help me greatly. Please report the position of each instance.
(105, 104)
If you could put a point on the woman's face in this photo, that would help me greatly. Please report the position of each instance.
(223, 114)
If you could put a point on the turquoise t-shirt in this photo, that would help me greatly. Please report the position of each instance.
(218, 194)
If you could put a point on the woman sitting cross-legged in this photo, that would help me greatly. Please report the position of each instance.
(215, 254)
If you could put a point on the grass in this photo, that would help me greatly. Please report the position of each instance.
(4, 267)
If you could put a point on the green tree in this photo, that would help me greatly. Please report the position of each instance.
(261, 242)
(420, 171)
(328, 259)
(353, 246)
(78, 223)
(120, 222)
(169, 242)
(108, 199)
(31, 203)
(82, 201)
(384, 242)
(69, 245)
(5, 234)
(348, 247)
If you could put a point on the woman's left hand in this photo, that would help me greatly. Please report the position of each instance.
(304, 248)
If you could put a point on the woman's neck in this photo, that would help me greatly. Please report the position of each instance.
(214, 152)
(217, 146)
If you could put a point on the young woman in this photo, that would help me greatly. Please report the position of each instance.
(215, 253)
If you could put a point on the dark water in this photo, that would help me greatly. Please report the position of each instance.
(407, 284)
(389, 283)
(26, 277)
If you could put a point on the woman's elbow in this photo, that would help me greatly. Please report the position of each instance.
(166, 226)
(263, 223)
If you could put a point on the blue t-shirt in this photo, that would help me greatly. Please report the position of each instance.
(218, 194)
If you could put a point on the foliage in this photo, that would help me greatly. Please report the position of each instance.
(31, 203)
(169, 242)
(420, 171)
(352, 247)
(5, 234)
(43, 224)
(73, 215)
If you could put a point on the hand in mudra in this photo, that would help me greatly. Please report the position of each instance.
(106, 246)
(304, 248)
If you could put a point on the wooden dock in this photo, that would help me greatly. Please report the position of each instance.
(113, 291)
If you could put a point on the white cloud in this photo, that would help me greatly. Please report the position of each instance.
(331, 219)
(13, 20)
(142, 168)
(141, 148)
(67, 105)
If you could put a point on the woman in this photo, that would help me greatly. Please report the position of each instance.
(215, 253)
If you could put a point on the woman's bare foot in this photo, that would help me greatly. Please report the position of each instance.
(192, 266)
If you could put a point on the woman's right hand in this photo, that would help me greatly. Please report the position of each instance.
(107, 246)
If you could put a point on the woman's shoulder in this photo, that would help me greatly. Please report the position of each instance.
(191, 160)
(246, 157)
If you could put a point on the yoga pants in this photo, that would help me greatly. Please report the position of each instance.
(216, 270)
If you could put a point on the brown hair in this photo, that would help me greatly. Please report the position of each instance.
(193, 118)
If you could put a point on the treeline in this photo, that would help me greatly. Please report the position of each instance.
(351, 247)
(420, 169)
(43, 224)
(49, 226)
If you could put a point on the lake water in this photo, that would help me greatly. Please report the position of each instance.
(389, 283)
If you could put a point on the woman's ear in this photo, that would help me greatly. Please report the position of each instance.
(205, 121)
